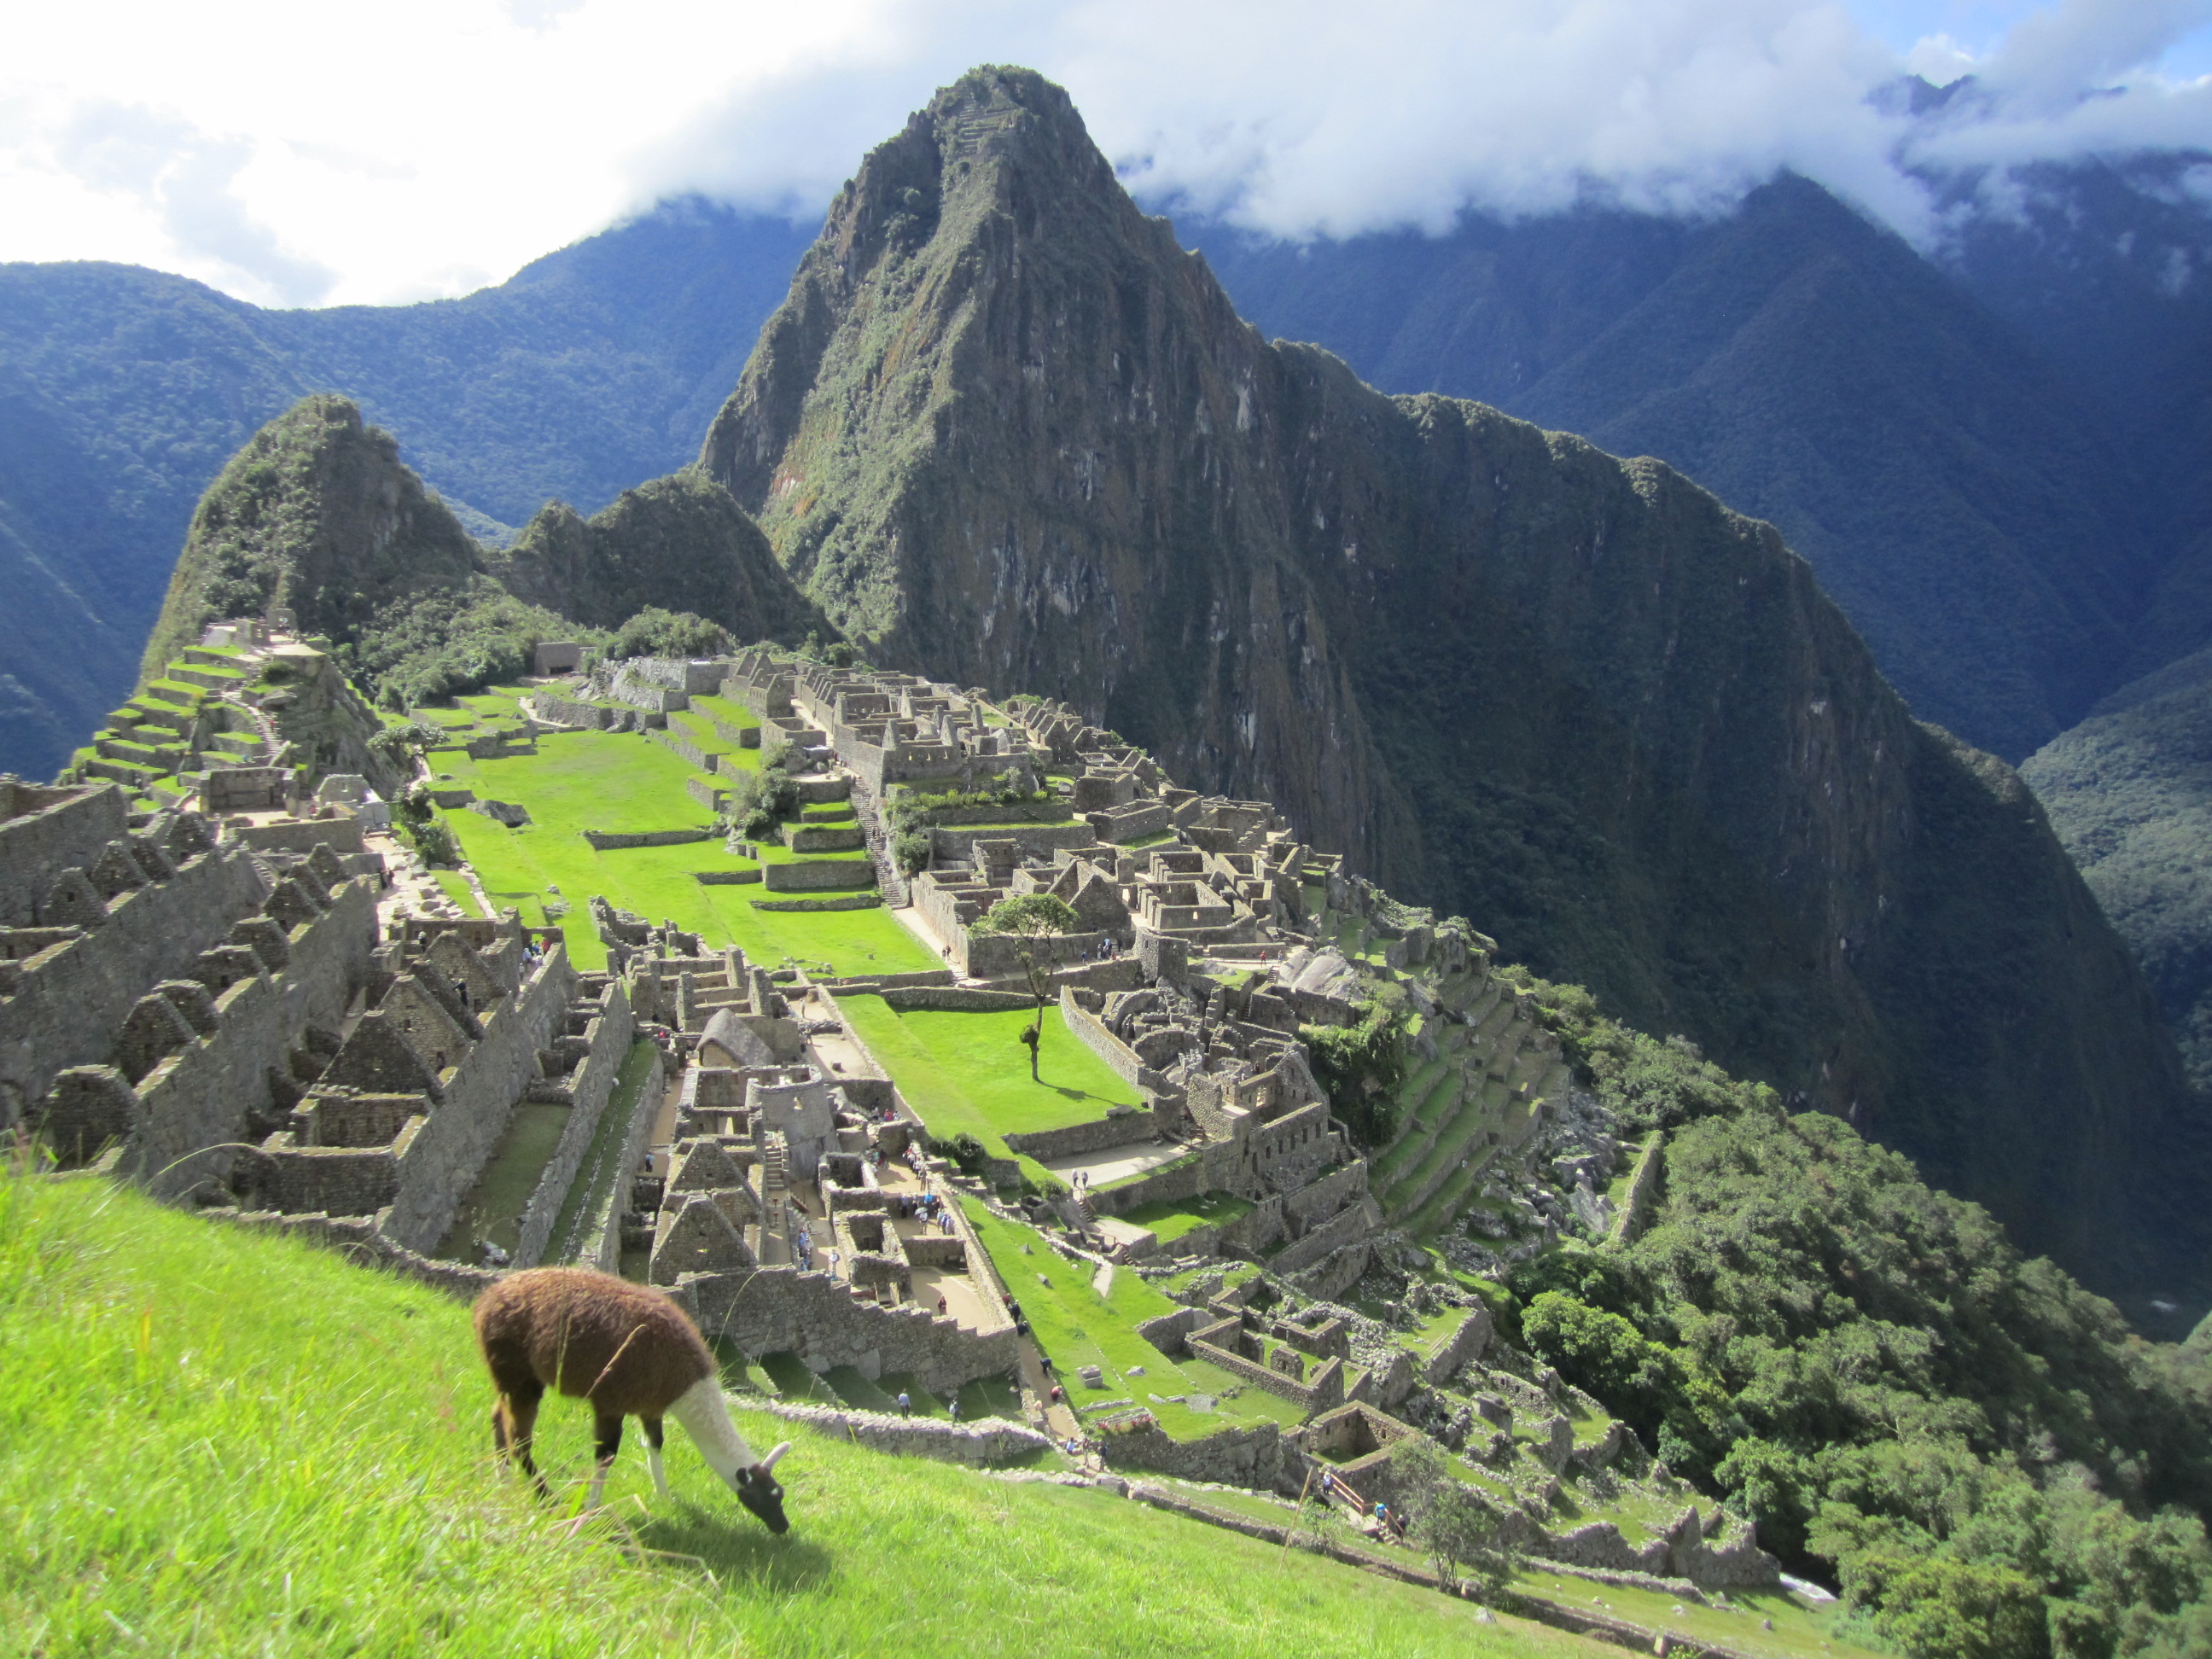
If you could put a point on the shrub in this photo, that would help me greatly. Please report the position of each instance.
(910, 850)
(657, 633)
(1360, 1066)
(433, 841)
(1033, 913)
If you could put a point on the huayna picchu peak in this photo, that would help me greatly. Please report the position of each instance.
(1233, 1011)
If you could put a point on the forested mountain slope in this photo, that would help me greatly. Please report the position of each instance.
(1004, 428)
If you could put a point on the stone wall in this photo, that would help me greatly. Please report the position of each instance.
(957, 843)
(953, 998)
(1643, 1195)
(1118, 1129)
(603, 840)
(601, 1246)
(1120, 1059)
(1252, 1458)
(998, 955)
(70, 1000)
(359, 1239)
(985, 1441)
(1467, 1342)
(818, 875)
(342, 832)
(568, 711)
(45, 830)
(1323, 1240)
(774, 1309)
(589, 1087)
(445, 1158)
(196, 1102)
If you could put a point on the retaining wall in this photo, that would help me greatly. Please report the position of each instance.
(1252, 1458)
(602, 1241)
(818, 875)
(1642, 1195)
(987, 1441)
(478, 1095)
(589, 1087)
(773, 1310)
(603, 840)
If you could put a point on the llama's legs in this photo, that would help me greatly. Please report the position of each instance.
(513, 1421)
(606, 1441)
(652, 1427)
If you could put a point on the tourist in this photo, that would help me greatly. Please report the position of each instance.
(952, 1407)
(905, 1405)
(940, 1307)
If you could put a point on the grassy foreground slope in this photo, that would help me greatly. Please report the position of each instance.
(222, 1443)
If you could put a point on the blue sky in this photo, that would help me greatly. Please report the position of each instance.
(1979, 25)
(286, 155)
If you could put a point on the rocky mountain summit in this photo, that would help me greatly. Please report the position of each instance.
(1005, 427)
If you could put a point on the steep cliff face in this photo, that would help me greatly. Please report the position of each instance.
(318, 515)
(1005, 430)
(680, 543)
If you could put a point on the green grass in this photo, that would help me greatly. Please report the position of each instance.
(595, 1173)
(456, 887)
(970, 1073)
(1075, 1326)
(493, 1208)
(588, 781)
(721, 709)
(603, 781)
(221, 1443)
(1169, 1220)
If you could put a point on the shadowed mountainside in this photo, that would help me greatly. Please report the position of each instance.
(1004, 430)
(1964, 501)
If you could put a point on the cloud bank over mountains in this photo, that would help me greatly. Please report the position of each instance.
(288, 156)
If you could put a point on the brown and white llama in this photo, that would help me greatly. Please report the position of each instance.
(631, 1352)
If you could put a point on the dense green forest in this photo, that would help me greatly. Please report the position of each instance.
(1993, 1465)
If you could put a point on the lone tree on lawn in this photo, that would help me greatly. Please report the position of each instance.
(1031, 916)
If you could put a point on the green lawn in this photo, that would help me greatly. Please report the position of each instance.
(622, 782)
(1074, 1326)
(1171, 1219)
(970, 1073)
(223, 1444)
(721, 709)
(455, 886)
(520, 866)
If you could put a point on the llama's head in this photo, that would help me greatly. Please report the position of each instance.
(759, 1490)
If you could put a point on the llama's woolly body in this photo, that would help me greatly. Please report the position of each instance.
(631, 1352)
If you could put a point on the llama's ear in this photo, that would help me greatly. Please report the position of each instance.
(768, 1463)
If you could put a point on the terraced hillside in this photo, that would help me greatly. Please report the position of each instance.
(1476, 1086)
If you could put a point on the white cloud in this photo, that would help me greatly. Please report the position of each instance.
(289, 154)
